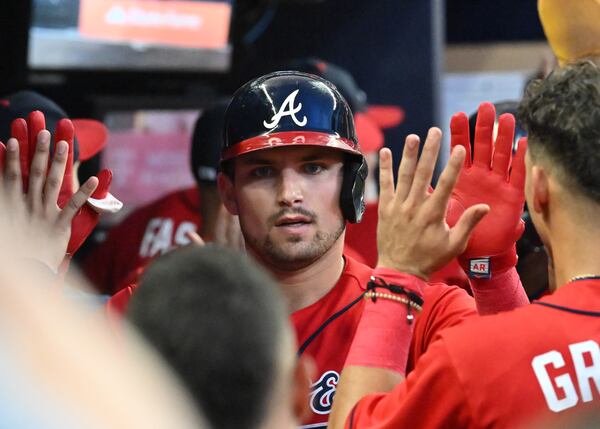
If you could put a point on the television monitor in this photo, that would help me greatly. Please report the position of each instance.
(124, 35)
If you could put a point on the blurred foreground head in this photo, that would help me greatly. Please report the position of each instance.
(61, 366)
(220, 322)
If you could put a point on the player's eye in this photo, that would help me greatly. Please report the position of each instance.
(264, 171)
(313, 168)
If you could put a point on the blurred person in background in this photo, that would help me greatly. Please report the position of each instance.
(220, 322)
(167, 223)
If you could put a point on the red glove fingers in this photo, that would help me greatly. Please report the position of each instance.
(2, 156)
(18, 130)
(517, 174)
(484, 135)
(36, 122)
(104, 180)
(87, 218)
(459, 131)
(504, 144)
(65, 131)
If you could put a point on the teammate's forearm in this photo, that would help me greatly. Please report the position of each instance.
(377, 358)
(356, 382)
(501, 292)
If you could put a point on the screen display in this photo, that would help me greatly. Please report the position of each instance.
(148, 152)
(179, 35)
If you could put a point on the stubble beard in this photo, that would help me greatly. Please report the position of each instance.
(295, 253)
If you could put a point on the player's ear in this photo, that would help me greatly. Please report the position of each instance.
(304, 373)
(540, 187)
(226, 191)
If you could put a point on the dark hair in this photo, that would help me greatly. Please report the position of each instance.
(561, 114)
(218, 320)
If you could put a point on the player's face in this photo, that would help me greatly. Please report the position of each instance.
(288, 202)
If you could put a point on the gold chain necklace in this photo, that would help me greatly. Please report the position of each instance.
(584, 277)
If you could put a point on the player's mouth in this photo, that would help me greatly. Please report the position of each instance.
(295, 221)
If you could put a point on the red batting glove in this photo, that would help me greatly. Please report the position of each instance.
(25, 132)
(86, 220)
(490, 179)
(65, 131)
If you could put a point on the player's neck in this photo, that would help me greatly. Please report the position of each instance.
(306, 286)
(575, 248)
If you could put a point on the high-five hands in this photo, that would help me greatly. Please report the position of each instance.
(412, 234)
(492, 177)
(49, 219)
(40, 229)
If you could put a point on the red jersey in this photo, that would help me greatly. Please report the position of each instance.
(328, 343)
(536, 363)
(361, 238)
(148, 232)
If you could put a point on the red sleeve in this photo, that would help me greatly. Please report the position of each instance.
(431, 396)
(444, 306)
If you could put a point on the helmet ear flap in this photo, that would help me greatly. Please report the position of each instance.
(352, 199)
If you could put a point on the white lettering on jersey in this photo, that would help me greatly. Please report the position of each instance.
(149, 234)
(162, 240)
(565, 386)
(585, 374)
(287, 109)
(159, 237)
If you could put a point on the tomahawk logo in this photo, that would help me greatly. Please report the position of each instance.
(322, 392)
(287, 109)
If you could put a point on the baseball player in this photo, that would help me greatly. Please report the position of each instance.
(161, 225)
(293, 172)
(539, 362)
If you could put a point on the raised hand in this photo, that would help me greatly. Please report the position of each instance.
(38, 227)
(412, 234)
(26, 133)
(491, 177)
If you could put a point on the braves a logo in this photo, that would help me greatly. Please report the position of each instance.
(287, 109)
(322, 391)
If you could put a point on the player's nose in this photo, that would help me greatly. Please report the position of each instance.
(289, 191)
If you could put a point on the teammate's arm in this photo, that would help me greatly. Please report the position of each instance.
(431, 396)
(412, 238)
